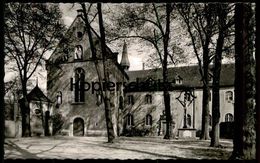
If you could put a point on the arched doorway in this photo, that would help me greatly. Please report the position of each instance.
(78, 127)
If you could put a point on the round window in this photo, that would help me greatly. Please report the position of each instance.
(79, 35)
(37, 111)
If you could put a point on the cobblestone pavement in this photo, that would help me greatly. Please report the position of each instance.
(122, 148)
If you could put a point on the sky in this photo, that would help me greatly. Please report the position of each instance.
(137, 53)
(69, 13)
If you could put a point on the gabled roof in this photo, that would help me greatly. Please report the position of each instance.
(190, 76)
(94, 33)
(36, 94)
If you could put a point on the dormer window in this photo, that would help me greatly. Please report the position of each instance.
(178, 80)
(78, 54)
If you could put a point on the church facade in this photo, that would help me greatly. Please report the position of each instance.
(137, 109)
(78, 108)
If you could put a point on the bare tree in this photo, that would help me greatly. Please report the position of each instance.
(150, 23)
(30, 31)
(223, 32)
(104, 93)
(245, 84)
(200, 23)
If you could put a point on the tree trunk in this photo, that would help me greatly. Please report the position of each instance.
(216, 77)
(206, 62)
(25, 110)
(205, 114)
(244, 111)
(108, 116)
(206, 92)
(166, 95)
(2, 94)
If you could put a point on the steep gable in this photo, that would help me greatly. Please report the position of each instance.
(76, 36)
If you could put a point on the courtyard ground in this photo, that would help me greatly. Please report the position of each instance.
(123, 148)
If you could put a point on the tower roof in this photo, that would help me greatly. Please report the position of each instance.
(125, 61)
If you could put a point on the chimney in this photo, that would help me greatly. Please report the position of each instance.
(143, 65)
(79, 12)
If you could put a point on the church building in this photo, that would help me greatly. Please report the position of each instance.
(137, 107)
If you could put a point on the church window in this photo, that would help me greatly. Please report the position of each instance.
(228, 117)
(187, 96)
(78, 54)
(79, 85)
(189, 119)
(99, 98)
(79, 35)
(229, 96)
(130, 119)
(148, 120)
(37, 111)
(130, 100)
(148, 99)
(210, 120)
(59, 98)
(121, 102)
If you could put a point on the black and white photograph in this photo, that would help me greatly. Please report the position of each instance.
(129, 81)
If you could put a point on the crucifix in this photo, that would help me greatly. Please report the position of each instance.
(188, 98)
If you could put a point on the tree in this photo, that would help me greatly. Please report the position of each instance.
(150, 23)
(244, 142)
(200, 22)
(108, 116)
(104, 93)
(222, 11)
(30, 31)
(2, 94)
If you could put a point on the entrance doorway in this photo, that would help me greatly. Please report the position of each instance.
(78, 127)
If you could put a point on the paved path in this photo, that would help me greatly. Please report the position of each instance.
(122, 148)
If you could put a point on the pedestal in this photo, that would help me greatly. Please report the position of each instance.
(187, 133)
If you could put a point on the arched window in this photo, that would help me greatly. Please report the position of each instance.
(130, 100)
(228, 117)
(187, 96)
(79, 85)
(59, 98)
(121, 102)
(188, 119)
(130, 119)
(229, 96)
(210, 120)
(148, 120)
(99, 98)
(148, 99)
(78, 54)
